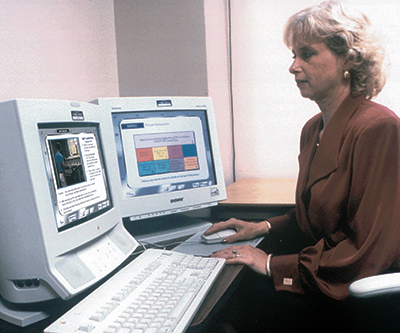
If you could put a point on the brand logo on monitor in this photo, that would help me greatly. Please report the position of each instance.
(214, 192)
(164, 103)
(176, 200)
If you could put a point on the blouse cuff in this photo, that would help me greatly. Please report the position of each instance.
(285, 273)
(268, 265)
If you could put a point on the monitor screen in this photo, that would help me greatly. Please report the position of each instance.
(75, 169)
(163, 151)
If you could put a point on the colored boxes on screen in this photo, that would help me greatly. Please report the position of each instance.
(167, 159)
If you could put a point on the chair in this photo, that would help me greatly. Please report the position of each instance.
(376, 303)
(377, 285)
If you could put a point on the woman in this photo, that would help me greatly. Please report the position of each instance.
(346, 222)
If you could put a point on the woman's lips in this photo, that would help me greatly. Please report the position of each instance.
(301, 81)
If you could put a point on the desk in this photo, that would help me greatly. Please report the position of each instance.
(261, 192)
(257, 199)
(245, 198)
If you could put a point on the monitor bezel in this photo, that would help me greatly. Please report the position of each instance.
(139, 208)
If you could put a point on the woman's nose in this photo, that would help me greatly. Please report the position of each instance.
(294, 67)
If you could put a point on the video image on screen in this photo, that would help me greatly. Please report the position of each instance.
(63, 150)
(166, 153)
(75, 170)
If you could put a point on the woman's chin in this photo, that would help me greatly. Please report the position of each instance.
(306, 94)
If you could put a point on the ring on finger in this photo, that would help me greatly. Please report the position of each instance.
(237, 255)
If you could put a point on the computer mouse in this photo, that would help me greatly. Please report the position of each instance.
(217, 237)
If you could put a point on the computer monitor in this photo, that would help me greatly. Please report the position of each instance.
(169, 163)
(60, 226)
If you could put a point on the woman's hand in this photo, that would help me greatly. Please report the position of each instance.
(244, 254)
(244, 230)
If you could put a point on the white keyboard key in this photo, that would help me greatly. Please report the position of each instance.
(124, 330)
(86, 328)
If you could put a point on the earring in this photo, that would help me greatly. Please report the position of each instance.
(346, 75)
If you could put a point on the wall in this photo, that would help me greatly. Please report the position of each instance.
(267, 107)
(161, 47)
(57, 49)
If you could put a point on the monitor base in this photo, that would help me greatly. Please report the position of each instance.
(20, 317)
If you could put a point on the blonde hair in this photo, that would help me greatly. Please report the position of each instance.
(346, 35)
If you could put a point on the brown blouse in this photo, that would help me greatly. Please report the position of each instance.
(347, 200)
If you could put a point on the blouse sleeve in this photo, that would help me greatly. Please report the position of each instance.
(279, 224)
(368, 240)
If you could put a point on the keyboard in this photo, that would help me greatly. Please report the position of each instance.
(159, 291)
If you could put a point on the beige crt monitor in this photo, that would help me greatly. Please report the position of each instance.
(60, 225)
(169, 162)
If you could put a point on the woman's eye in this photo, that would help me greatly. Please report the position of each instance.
(306, 55)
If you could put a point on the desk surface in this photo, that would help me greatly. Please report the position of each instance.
(256, 191)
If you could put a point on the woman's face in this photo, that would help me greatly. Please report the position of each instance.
(318, 71)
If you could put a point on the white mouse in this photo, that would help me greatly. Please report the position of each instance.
(217, 237)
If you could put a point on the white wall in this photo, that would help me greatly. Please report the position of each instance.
(57, 49)
(161, 47)
(268, 109)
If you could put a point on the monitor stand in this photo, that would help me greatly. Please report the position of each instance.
(20, 316)
(26, 314)
(165, 229)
